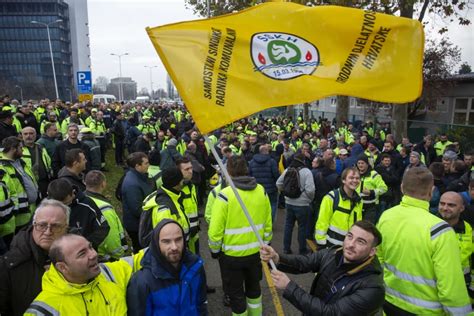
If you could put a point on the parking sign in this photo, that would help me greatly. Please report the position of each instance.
(84, 82)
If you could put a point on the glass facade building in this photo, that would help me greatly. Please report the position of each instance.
(25, 59)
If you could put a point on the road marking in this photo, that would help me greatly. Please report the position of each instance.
(273, 291)
(311, 245)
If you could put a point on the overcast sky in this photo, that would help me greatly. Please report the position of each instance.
(118, 26)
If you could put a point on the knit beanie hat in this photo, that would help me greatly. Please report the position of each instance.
(171, 177)
(363, 157)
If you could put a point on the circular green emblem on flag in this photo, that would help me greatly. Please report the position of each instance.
(283, 56)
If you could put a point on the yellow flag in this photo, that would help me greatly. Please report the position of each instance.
(276, 54)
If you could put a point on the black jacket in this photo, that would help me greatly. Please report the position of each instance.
(87, 220)
(360, 287)
(59, 158)
(21, 270)
(73, 179)
(7, 131)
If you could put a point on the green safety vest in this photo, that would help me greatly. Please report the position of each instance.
(157, 206)
(14, 181)
(115, 244)
(43, 124)
(336, 216)
(373, 182)
(7, 209)
(42, 156)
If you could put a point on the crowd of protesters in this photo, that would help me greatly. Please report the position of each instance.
(327, 178)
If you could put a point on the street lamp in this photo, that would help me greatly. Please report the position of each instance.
(50, 50)
(21, 93)
(151, 80)
(120, 73)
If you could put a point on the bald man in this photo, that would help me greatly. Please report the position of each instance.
(450, 207)
(37, 158)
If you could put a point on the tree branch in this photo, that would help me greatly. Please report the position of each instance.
(423, 10)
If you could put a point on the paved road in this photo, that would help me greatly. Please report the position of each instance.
(272, 304)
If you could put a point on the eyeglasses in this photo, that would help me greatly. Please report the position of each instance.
(55, 228)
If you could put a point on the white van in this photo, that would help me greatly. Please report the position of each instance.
(104, 98)
(142, 99)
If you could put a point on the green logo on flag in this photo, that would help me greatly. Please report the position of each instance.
(283, 52)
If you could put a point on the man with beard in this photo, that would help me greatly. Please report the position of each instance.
(23, 266)
(21, 182)
(26, 117)
(59, 157)
(76, 284)
(6, 125)
(451, 205)
(170, 275)
(349, 281)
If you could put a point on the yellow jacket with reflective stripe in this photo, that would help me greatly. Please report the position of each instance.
(334, 220)
(440, 147)
(104, 295)
(464, 235)
(115, 244)
(210, 202)
(97, 127)
(372, 181)
(421, 259)
(43, 124)
(14, 182)
(65, 124)
(161, 211)
(7, 209)
(43, 156)
(229, 229)
(190, 205)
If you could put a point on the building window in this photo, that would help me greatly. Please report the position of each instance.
(463, 111)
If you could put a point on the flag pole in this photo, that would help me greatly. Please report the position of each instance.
(236, 193)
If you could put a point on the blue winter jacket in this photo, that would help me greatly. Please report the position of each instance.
(265, 170)
(159, 289)
(135, 188)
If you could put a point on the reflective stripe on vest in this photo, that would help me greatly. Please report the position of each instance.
(439, 229)
(107, 273)
(41, 309)
(241, 247)
(411, 278)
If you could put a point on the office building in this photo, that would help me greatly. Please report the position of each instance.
(25, 58)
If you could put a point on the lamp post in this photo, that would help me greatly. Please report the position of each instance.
(120, 73)
(151, 80)
(51, 51)
(21, 93)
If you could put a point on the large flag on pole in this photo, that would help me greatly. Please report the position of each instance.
(276, 54)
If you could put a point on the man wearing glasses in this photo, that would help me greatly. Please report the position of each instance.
(22, 268)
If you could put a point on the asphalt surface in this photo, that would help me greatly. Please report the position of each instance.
(273, 304)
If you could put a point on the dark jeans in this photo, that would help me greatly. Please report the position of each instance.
(135, 241)
(299, 214)
(119, 151)
(273, 203)
(241, 277)
(370, 213)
